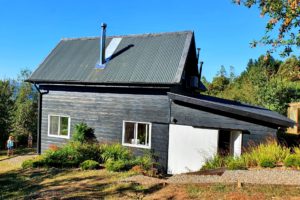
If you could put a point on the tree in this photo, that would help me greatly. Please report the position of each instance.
(6, 109)
(25, 113)
(219, 83)
(205, 81)
(284, 15)
(265, 82)
(232, 74)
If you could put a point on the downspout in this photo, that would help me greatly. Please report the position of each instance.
(39, 124)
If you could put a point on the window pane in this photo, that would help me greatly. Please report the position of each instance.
(64, 125)
(129, 133)
(53, 125)
(142, 134)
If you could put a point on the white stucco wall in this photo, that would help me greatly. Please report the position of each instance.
(190, 147)
(236, 142)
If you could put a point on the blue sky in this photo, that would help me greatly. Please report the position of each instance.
(30, 29)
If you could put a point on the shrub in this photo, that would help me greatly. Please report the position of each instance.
(53, 147)
(39, 161)
(89, 165)
(235, 163)
(69, 155)
(216, 162)
(118, 165)
(90, 151)
(27, 164)
(297, 150)
(72, 154)
(33, 163)
(292, 161)
(66, 156)
(267, 162)
(115, 152)
(20, 138)
(271, 151)
(83, 133)
(147, 161)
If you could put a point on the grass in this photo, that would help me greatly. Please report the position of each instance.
(53, 183)
(248, 191)
(265, 155)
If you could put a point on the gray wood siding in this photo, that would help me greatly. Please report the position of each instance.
(185, 115)
(105, 113)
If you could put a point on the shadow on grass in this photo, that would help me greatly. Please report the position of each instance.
(69, 184)
(20, 183)
(17, 152)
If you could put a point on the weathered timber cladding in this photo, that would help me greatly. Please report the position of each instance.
(106, 111)
(200, 117)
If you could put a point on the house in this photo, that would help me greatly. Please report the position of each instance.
(143, 91)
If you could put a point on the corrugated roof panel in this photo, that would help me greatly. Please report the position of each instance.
(150, 58)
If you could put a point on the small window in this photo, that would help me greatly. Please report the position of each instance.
(59, 126)
(137, 134)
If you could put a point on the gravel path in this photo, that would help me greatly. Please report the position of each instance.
(261, 176)
(14, 162)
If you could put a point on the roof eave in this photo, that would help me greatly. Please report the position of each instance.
(85, 83)
(194, 101)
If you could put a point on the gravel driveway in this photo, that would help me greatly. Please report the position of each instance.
(261, 176)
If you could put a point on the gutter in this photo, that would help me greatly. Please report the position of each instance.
(103, 84)
(39, 124)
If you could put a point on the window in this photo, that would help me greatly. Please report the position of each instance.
(59, 126)
(137, 134)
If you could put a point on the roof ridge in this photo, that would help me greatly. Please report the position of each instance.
(129, 35)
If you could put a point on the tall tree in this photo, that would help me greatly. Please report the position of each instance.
(6, 110)
(25, 114)
(265, 82)
(282, 14)
(219, 82)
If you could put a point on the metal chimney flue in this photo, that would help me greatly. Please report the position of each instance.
(102, 43)
(200, 70)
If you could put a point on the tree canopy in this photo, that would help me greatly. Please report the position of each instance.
(269, 83)
(284, 19)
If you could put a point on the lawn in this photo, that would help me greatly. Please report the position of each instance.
(53, 183)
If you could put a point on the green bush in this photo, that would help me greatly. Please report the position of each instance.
(115, 152)
(83, 133)
(270, 150)
(33, 163)
(39, 161)
(146, 162)
(27, 164)
(118, 165)
(20, 138)
(267, 162)
(292, 161)
(90, 151)
(67, 156)
(216, 162)
(72, 154)
(89, 165)
(235, 163)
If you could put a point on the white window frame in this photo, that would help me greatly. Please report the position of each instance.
(135, 134)
(59, 118)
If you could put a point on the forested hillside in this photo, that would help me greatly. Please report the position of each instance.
(265, 82)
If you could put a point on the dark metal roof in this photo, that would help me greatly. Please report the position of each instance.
(139, 59)
(234, 107)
